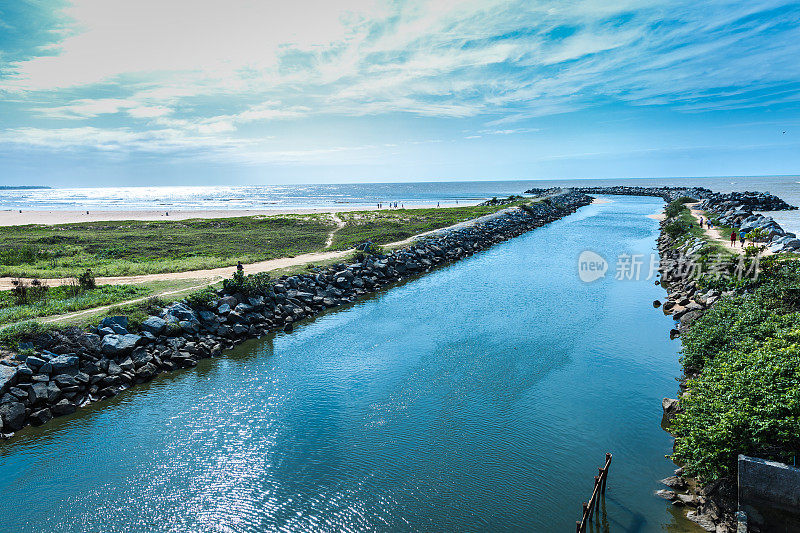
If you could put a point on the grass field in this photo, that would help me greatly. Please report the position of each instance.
(140, 247)
(382, 227)
(61, 300)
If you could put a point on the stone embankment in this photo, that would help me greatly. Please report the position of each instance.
(754, 201)
(61, 371)
(711, 507)
(734, 209)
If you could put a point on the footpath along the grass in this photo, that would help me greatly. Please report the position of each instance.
(177, 285)
(120, 249)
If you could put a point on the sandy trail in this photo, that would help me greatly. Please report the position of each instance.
(216, 274)
(716, 235)
(339, 225)
(211, 276)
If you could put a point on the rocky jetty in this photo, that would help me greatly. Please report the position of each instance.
(61, 371)
(735, 209)
(754, 201)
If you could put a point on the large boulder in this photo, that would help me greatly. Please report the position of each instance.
(154, 325)
(8, 378)
(13, 416)
(116, 345)
(118, 324)
(63, 364)
(64, 407)
(181, 312)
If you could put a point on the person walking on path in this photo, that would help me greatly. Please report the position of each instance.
(733, 238)
(239, 267)
(742, 235)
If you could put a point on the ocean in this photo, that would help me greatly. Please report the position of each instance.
(266, 197)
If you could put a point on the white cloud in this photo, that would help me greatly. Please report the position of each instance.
(207, 69)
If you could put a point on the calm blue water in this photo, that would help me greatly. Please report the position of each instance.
(338, 195)
(482, 396)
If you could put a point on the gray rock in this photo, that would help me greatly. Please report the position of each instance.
(63, 364)
(64, 407)
(153, 325)
(674, 482)
(224, 309)
(35, 363)
(38, 394)
(181, 312)
(701, 520)
(666, 494)
(65, 380)
(41, 417)
(8, 378)
(119, 344)
(13, 415)
(110, 321)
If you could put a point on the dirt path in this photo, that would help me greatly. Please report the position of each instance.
(95, 310)
(713, 234)
(217, 274)
(339, 225)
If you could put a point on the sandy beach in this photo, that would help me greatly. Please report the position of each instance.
(15, 217)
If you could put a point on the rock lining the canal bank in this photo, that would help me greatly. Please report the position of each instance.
(63, 370)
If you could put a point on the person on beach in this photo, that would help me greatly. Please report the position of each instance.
(733, 238)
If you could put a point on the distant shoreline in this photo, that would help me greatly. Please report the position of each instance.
(22, 187)
(16, 217)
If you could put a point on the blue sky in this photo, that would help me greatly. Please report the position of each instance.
(109, 92)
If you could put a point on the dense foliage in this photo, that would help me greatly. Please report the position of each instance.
(747, 398)
(676, 207)
(252, 284)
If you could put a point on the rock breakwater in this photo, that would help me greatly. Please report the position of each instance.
(61, 371)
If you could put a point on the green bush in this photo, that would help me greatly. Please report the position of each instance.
(745, 401)
(86, 280)
(252, 284)
(202, 299)
(676, 207)
(733, 322)
(675, 229)
(747, 398)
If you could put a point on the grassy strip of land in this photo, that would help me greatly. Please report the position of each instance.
(383, 227)
(64, 299)
(145, 247)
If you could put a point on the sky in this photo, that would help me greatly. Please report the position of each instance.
(115, 92)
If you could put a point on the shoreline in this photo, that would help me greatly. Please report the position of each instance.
(16, 217)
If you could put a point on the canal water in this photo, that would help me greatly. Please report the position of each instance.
(480, 397)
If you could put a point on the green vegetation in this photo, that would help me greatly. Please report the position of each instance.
(64, 299)
(141, 247)
(747, 397)
(676, 207)
(383, 227)
(247, 284)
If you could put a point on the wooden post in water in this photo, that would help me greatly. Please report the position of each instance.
(598, 490)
